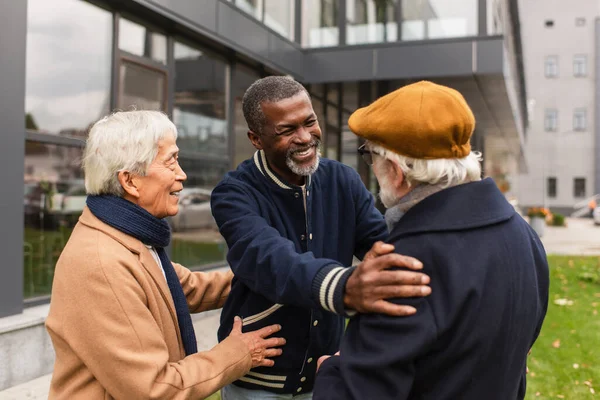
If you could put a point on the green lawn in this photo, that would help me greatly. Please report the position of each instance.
(565, 361)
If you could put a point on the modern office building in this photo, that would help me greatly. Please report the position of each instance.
(67, 63)
(561, 43)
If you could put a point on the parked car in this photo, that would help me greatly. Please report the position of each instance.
(596, 215)
(41, 202)
(194, 210)
(72, 203)
(49, 205)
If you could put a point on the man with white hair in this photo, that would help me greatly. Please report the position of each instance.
(119, 316)
(469, 339)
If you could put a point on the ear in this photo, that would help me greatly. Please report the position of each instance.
(130, 183)
(255, 139)
(399, 180)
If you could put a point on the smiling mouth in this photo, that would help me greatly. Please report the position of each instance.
(303, 153)
(176, 194)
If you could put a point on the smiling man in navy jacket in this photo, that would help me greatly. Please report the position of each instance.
(293, 223)
(489, 275)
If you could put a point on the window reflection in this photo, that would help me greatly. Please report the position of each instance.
(54, 197)
(242, 79)
(252, 7)
(200, 116)
(67, 39)
(437, 19)
(371, 21)
(141, 41)
(320, 23)
(199, 111)
(279, 16)
(141, 87)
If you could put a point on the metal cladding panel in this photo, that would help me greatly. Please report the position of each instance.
(425, 60)
(200, 12)
(332, 65)
(286, 55)
(404, 61)
(243, 30)
(13, 34)
(490, 56)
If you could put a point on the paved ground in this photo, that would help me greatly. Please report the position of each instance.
(580, 237)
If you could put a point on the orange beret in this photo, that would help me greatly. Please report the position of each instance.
(422, 120)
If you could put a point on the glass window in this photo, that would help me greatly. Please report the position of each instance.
(580, 21)
(320, 23)
(54, 198)
(331, 144)
(67, 74)
(579, 187)
(252, 7)
(199, 113)
(333, 93)
(279, 16)
(551, 120)
(551, 187)
(349, 155)
(319, 111)
(437, 19)
(580, 65)
(371, 21)
(141, 87)
(242, 79)
(494, 17)
(141, 41)
(580, 119)
(551, 66)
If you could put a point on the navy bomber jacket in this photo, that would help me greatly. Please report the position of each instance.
(289, 248)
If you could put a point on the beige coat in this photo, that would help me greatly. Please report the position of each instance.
(113, 324)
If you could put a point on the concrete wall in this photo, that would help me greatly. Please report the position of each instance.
(564, 154)
(25, 347)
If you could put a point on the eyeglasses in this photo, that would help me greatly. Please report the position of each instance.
(366, 154)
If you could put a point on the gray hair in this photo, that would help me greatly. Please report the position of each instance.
(123, 141)
(444, 171)
(267, 90)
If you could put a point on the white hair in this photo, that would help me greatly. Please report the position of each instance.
(444, 171)
(123, 141)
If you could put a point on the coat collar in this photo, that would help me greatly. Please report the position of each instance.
(137, 247)
(461, 207)
(260, 161)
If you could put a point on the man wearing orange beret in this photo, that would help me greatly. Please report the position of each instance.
(489, 275)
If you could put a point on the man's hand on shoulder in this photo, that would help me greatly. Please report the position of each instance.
(371, 283)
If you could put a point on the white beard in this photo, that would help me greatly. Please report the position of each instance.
(387, 194)
(304, 170)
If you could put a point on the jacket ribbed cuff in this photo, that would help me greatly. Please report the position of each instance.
(329, 286)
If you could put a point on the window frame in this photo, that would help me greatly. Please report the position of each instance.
(575, 187)
(580, 114)
(551, 66)
(547, 117)
(551, 183)
(580, 62)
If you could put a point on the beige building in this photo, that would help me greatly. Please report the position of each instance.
(559, 48)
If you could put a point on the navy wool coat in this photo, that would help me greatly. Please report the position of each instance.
(469, 339)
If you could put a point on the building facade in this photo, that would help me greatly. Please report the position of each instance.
(560, 49)
(73, 61)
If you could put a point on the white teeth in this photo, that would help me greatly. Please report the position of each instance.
(304, 153)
